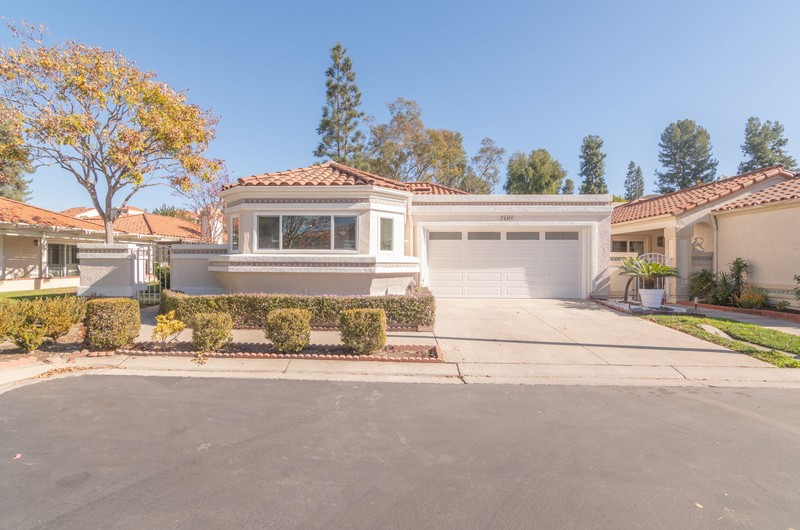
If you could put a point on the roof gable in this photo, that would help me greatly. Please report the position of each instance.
(783, 191)
(335, 174)
(681, 201)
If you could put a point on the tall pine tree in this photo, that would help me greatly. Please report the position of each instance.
(593, 166)
(764, 145)
(14, 164)
(634, 182)
(685, 154)
(568, 188)
(341, 140)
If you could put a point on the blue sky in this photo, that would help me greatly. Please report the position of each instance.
(528, 74)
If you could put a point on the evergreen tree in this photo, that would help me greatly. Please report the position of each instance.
(593, 166)
(14, 164)
(764, 145)
(341, 140)
(685, 154)
(568, 188)
(534, 173)
(634, 182)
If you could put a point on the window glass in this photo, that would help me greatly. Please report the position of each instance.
(344, 233)
(451, 236)
(387, 233)
(268, 232)
(556, 236)
(636, 246)
(483, 235)
(234, 233)
(307, 232)
(519, 236)
(54, 254)
(72, 260)
(619, 246)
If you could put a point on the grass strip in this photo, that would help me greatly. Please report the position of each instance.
(767, 338)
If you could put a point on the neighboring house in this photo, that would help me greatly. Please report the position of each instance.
(38, 247)
(333, 229)
(683, 226)
(764, 229)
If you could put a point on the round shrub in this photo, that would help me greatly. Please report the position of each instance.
(752, 299)
(9, 313)
(363, 330)
(112, 323)
(289, 330)
(211, 331)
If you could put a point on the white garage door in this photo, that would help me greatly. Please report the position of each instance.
(519, 264)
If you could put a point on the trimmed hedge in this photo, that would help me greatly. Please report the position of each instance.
(363, 330)
(211, 331)
(289, 330)
(112, 323)
(248, 310)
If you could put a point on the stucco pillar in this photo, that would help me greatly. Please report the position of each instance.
(107, 270)
(2, 265)
(678, 248)
(43, 256)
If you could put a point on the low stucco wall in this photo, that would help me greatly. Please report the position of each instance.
(106, 270)
(769, 238)
(34, 284)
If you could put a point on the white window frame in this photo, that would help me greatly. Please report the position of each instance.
(380, 234)
(281, 250)
(238, 248)
(645, 241)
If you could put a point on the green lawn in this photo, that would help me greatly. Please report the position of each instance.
(745, 334)
(42, 293)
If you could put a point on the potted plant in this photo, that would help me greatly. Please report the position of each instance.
(649, 272)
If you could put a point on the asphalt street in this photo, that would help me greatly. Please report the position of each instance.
(164, 452)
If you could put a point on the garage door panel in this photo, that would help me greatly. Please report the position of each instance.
(480, 268)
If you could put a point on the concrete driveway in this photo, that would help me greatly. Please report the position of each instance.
(567, 332)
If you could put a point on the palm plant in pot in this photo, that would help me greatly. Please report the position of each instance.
(649, 272)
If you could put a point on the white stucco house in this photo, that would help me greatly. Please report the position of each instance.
(333, 229)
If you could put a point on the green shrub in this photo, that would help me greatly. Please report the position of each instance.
(797, 290)
(248, 310)
(289, 330)
(27, 336)
(8, 317)
(701, 284)
(724, 291)
(58, 315)
(782, 305)
(167, 329)
(752, 299)
(112, 323)
(363, 330)
(211, 331)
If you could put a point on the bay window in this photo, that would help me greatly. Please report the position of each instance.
(306, 232)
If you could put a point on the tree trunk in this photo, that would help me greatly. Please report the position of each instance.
(109, 231)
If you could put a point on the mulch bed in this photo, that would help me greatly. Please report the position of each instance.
(259, 350)
(636, 309)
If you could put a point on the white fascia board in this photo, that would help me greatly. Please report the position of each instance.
(312, 192)
(643, 225)
(564, 200)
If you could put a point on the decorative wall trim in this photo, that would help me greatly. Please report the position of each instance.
(298, 201)
(703, 258)
(313, 264)
(176, 252)
(503, 203)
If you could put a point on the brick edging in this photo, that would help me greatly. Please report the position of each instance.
(768, 313)
(275, 355)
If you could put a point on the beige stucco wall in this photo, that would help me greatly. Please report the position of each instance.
(21, 258)
(190, 274)
(769, 238)
(106, 273)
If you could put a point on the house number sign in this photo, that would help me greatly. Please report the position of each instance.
(506, 217)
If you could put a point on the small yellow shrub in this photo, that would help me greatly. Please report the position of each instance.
(167, 329)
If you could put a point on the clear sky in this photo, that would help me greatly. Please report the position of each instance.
(528, 74)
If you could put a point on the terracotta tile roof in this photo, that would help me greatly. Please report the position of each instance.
(155, 225)
(335, 174)
(25, 214)
(682, 201)
(430, 188)
(783, 191)
(75, 212)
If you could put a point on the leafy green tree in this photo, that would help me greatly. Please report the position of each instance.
(341, 140)
(172, 211)
(404, 149)
(92, 113)
(634, 182)
(568, 188)
(685, 154)
(534, 173)
(483, 173)
(14, 164)
(764, 145)
(593, 166)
